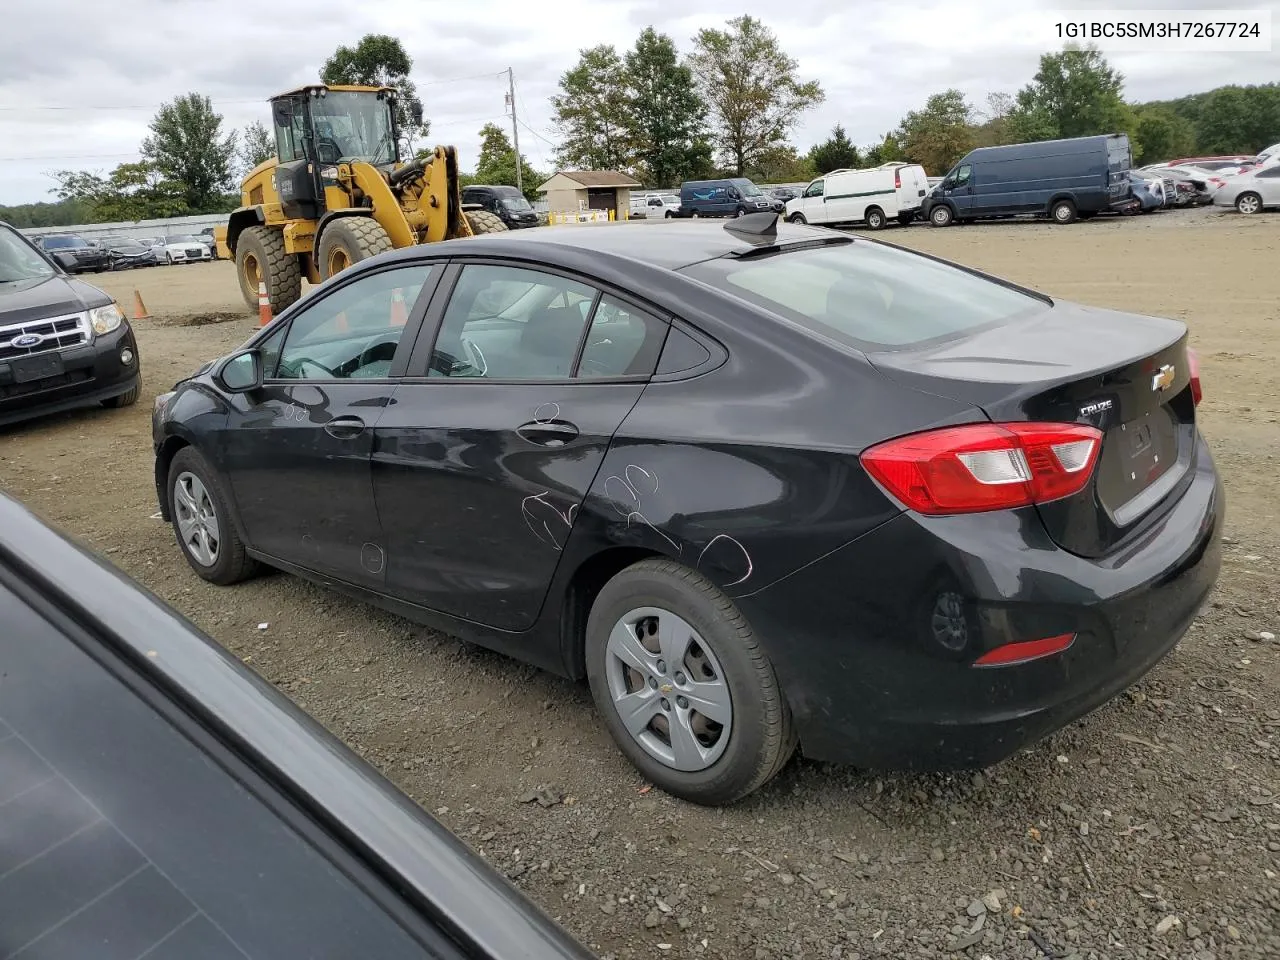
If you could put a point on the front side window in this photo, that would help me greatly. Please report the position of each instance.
(814, 189)
(511, 323)
(18, 261)
(353, 332)
(962, 175)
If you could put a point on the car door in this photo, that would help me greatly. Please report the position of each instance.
(1267, 182)
(811, 204)
(482, 464)
(961, 190)
(297, 452)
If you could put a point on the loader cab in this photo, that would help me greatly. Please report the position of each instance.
(317, 127)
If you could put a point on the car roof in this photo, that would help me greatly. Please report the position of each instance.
(667, 244)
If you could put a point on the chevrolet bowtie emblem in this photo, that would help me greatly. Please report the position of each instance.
(1163, 379)
(666, 688)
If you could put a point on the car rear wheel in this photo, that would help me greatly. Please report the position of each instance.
(1249, 203)
(875, 219)
(1064, 211)
(941, 216)
(203, 523)
(684, 685)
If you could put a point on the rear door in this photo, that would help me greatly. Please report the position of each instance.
(481, 465)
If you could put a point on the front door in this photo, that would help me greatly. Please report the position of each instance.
(961, 191)
(482, 464)
(813, 204)
(298, 451)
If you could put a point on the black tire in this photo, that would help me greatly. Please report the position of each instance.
(127, 399)
(941, 216)
(695, 215)
(905, 219)
(740, 212)
(1063, 211)
(232, 563)
(669, 215)
(348, 240)
(1248, 203)
(260, 255)
(482, 222)
(797, 218)
(762, 736)
(875, 218)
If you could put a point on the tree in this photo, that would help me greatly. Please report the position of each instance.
(131, 192)
(187, 147)
(886, 151)
(1164, 135)
(497, 164)
(257, 145)
(1075, 93)
(64, 213)
(781, 164)
(1240, 119)
(752, 89)
(993, 130)
(379, 61)
(666, 114)
(835, 153)
(593, 113)
(939, 134)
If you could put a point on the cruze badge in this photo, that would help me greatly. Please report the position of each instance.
(1090, 409)
(1163, 379)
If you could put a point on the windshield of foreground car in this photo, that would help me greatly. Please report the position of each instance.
(867, 295)
(18, 261)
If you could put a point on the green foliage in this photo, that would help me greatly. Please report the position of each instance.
(186, 147)
(837, 152)
(1075, 93)
(1239, 119)
(497, 164)
(378, 61)
(257, 145)
(131, 192)
(594, 113)
(886, 151)
(752, 89)
(781, 164)
(665, 113)
(1163, 134)
(64, 213)
(939, 134)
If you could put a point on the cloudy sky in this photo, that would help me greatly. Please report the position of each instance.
(78, 84)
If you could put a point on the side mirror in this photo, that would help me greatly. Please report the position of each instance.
(241, 373)
(415, 111)
(67, 261)
(282, 113)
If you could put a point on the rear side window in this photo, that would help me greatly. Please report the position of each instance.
(868, 296)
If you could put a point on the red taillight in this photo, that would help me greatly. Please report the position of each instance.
(1012, 653)
(985, 466)
(897, 179)
(1193, 367)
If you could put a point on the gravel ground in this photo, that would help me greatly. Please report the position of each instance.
(1149, 829)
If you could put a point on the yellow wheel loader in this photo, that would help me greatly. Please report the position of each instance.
(337, 192)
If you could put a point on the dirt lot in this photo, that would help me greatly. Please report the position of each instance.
(1151, 829)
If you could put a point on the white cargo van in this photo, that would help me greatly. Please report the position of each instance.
(893, 191)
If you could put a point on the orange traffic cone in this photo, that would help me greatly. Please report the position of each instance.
(399, 313)
(139, 308)
(264, 305)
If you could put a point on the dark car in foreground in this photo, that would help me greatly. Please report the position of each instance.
(81, 255)
(759, 483)
(63, 343)
(160, 800)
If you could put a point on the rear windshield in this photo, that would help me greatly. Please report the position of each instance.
(868, 296)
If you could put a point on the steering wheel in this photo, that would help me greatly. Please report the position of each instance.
(301, 365)
(375, 349)
(474, 356)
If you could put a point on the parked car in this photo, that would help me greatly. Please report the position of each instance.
(84, 256)
(1270, 154)
(155, 245)
(1149, 190)
(507, 203)
(1060, 179)
(783, 193)
(159, 799)
(184, 248)
(1232, 163)
(626, 454)
(1192, 189)
(649, 206)
(873, 196)
(1251, 192)
(125, 253)
(63, 343)
(206, 237)
(734, 197)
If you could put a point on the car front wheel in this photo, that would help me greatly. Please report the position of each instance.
(202, 521)
(684, 685)
(941, 216)
(1249, 203)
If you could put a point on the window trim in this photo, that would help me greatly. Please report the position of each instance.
(420, 359)
(401, 359)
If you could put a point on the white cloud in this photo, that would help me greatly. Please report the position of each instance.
(106, 72)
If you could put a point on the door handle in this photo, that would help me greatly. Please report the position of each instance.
(548, 433)
(344, 428)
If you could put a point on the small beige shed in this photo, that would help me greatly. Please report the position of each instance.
(572, 191)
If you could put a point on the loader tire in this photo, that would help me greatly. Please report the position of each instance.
(482, 221)
(349, 240)
(260, 256)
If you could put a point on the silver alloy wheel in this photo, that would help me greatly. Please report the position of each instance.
(1062, 213)
(1249, 204)
(668, 689)
(197, 519)
(942, 216)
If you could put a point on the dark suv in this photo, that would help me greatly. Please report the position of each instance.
(84, 256)
(507, 203)
(63, 343)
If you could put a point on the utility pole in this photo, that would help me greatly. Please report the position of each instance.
(515, 125)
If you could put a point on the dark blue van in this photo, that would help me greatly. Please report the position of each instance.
(1059, 179)
(735, 197)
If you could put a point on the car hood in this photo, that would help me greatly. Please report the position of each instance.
(51, 297)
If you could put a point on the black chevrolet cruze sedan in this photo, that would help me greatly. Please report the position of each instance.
(63, 342)
(760, 484)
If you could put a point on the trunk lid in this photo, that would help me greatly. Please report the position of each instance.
(1125, 374)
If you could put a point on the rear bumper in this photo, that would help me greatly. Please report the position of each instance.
(858, 637)
(90, 374)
